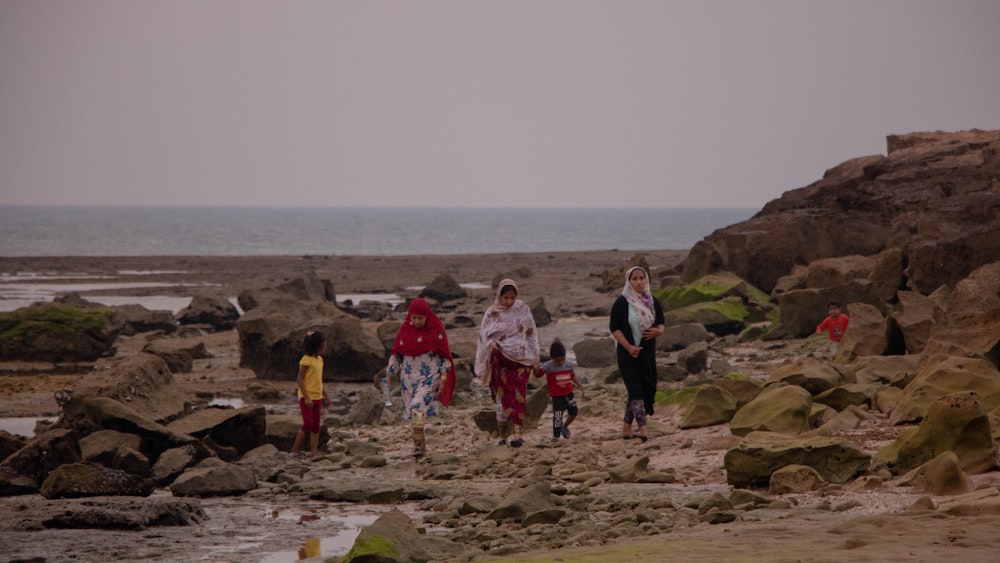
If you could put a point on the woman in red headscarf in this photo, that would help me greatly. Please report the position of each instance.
(422, 361)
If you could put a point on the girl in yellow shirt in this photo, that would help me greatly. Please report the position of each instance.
(312, 397)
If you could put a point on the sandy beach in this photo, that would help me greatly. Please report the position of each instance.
(835, 524)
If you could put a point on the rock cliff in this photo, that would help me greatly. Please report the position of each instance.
(935, 196)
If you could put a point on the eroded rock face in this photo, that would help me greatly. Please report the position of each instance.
(956, 422)
(762, 453)
(75, 480)
(933, 197)
(216, 311)
(59, 332)
(271, 338)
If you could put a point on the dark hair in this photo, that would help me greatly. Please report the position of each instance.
(507, 288)
(833, 303)
(557, 350)
(313, 342)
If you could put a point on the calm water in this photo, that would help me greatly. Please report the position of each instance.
(256, 231)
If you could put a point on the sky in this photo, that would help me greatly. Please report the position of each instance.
(440, 103)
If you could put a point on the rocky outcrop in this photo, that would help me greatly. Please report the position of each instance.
(271, 338)
(57, 332)
(306, 288)
(957, 423)
(780, 408)
(215, 311)
(143, 382)
(934, 196)
(752, 463)
(179, 357)
(443, 288)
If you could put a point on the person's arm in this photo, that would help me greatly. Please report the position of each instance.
(632, 349)
(658, 323)
(390, 369)
(618, 323)
(576, 381)
(822, 325)
(301, 380)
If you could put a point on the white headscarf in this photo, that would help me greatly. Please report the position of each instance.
(512, 329)
(641, 302)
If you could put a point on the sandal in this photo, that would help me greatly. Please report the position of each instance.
(643, 438)
(628, 437)
(418, 454)
(517, 443)
(502, 442)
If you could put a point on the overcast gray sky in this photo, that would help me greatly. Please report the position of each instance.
(725, 103)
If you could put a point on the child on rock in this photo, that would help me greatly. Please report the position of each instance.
(560, 379)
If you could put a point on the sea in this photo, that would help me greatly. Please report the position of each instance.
(367, 231)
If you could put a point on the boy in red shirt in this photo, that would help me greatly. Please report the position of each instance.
(835, 324)
(560, 379)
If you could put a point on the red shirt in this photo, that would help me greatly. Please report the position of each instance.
(836, 325)
(559, 379)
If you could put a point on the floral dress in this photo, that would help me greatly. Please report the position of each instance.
(420, 381)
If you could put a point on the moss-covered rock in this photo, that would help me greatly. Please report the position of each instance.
(721, 302)
(703, 290)
(57, 332)
(726, 316)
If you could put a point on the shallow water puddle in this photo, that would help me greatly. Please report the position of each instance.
(22, 426)
(322, 546)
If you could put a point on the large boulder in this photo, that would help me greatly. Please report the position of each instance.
(813, 375)
(306, 288)
(143, 382)
(213, 478)
(780, 408)
(972, 337)
(956, 423)
(728, 315)
(760, 454)
(393, 537)
(136, 319)
(179, 354)
(44, 454)
(931, 196)
(242, 429)
(443, 288)
(101, 413)
(271, 338)
(887, 370)
(214, 310)
(75, 480)
(914, 317)
(942, 375)
(58, 332)
(711, 405)
(103, 446)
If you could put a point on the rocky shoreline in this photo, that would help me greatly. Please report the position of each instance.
(592, 496)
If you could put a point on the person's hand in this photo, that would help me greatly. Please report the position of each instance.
(583, 394)
(634, 350)
(652, 332)
(326, 401)
(307, 402)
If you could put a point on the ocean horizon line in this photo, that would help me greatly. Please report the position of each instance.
(348, 231)
(382, 207)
